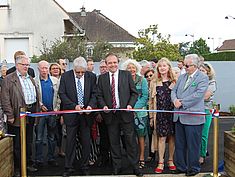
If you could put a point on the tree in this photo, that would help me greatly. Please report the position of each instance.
(101, 48)
(184, 48)
(151, 44)
(200, 47)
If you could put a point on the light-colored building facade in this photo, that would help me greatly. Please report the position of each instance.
(25, 24)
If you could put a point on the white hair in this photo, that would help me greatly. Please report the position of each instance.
(131, 61)
(195, 59)
(144, 63)
(19, 58)
(80, 62)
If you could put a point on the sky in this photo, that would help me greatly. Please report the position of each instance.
(201, 18)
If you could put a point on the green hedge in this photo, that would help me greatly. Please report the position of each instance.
(220, 56)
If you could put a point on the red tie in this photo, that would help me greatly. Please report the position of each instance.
(114, 103)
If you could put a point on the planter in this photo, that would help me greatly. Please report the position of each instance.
(6, 157)
(229, 153)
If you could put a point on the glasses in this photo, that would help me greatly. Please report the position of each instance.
(80, 72)
(187, 66)
(22, 64)
(148, 76)
(64, 63)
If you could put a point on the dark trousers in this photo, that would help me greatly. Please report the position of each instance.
(85, 137)
(104, 141)
(16, 143)
(114, 131)
(187, 146)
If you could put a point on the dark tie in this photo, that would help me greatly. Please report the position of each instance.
(79, 93)
(114, 103)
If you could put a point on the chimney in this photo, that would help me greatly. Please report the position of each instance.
(83, 11)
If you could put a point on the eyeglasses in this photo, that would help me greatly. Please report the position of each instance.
(147, 76)
(187, 66)
(22, 64)
(64, 63)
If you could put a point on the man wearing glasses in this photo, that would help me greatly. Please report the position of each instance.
(77, 92)
(19, 91)
(63, 64)
(188, 95)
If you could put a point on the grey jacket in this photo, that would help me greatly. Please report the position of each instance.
(192, 98)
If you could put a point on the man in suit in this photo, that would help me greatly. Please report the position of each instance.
(188, 95)
(78, 91)
(12, 69)
(116, 89)
(19, 91)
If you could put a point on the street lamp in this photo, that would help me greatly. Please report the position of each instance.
(213, 40)
(229, 17)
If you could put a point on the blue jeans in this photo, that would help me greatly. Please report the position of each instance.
(50, 122)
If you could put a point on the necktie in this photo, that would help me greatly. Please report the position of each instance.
(114, 103)
(79, 93)
(187, 82)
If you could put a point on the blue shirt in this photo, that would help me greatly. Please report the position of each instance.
(47, 93)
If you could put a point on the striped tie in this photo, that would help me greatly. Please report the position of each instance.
(79, 93)
(114, 103)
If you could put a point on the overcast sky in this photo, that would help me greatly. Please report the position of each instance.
(201, 18)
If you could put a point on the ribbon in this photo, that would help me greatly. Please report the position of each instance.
(41, 114)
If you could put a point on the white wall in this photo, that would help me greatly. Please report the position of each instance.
(34, 19)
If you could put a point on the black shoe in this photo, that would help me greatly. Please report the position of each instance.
(191, 173)
(53, 163)
(85, 172)
(177, 171)
(137, 172)
(31, 169)
(116, 171)
(68, 172)
(17, 173)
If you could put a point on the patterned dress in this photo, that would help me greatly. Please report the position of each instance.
(165, 125)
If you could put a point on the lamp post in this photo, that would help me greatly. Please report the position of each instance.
(229, 17)
(213, 42)
(191, 35)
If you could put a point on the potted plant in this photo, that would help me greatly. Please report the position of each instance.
(229, 152)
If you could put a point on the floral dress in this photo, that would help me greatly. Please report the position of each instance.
(165, 125)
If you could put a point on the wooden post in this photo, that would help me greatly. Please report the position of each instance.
(23, 142)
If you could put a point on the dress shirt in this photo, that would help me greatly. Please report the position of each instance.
(28, 88)
(116, 86)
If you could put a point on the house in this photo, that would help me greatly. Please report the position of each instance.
(98, 27)
(26, 24)
(228, 45)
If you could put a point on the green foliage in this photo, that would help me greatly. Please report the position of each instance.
(199, 47)
(151, 44)
(101, 48)
(233, 129)
(184, 48)
(232, 109)
(69, 49)
(220, 56)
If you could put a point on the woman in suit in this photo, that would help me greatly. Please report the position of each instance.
(140, 117)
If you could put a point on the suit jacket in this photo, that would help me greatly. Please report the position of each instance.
(13, 98)
(192, 97)
(68, 95)
(30, 71)
(126, 90)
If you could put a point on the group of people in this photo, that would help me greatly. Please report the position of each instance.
(131, 85)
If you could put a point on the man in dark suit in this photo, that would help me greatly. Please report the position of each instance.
(12, 69)
(116, 89)
(78, 91)
(188, 95)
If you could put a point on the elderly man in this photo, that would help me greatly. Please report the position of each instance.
(77, 92)
(116, 89)
(188, 95)
(49, 101)
(145, 66)
(19, 91)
